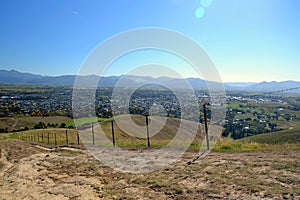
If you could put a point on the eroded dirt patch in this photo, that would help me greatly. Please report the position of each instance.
(62, 173)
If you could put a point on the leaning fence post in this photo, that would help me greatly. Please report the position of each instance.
(55, 139)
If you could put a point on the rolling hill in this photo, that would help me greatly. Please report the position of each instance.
(279, 137)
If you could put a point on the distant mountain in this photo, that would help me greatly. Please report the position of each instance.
(15, 77)
(274, 86)
(239, 84)
(62, 80)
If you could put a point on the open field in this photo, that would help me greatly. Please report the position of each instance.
(29, 171)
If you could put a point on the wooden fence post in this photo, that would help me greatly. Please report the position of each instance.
(77, 137)
(206, 127)
(113, 132)
(93, 136)
(148, 139)
(67, 136)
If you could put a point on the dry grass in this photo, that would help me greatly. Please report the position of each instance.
(41, 135)
(123, 139)
(21, 122)
(62, 174)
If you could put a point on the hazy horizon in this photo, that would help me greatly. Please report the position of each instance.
(229, 82)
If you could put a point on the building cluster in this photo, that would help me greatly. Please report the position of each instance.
(55, 101)
(52, 101)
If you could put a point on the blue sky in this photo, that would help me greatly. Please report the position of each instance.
(249, 40)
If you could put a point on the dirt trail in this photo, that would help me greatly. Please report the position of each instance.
(34, 177)
(28, 171)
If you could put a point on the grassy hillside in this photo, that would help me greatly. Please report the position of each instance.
(291, 136)
(129, 136)
(286, 139)
(158, 137)
(126, 136)
(13, 123)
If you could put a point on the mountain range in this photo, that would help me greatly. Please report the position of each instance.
(15, 77)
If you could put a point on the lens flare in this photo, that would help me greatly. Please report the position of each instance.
(200, 12)
(206, 3)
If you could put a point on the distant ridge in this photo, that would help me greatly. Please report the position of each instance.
(15, 77)
(273, 86)
(239, 84)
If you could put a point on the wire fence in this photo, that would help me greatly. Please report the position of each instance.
(88, 134)
(61, 136)
(51, 136)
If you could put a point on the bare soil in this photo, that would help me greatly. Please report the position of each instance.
(31, 171)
